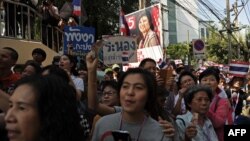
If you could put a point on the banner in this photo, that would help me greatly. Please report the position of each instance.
(155, 53)
(238, 68)
(146, 25)
(119, 50)
(78, 40)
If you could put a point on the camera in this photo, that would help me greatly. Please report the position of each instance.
(46, 3)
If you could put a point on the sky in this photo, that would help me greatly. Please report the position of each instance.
(221, 6)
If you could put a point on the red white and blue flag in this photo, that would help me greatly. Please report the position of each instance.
(239, 68)
(77, 7)
(124, 29)
(125, 57)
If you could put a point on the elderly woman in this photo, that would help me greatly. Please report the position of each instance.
(195, 125)
(43, 108)
(220, 111)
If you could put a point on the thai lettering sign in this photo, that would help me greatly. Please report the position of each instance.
(119, 50)
(78, 40)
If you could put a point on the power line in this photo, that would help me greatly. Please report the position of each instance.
(215, 1)
(190, 4)
(183, 22)
(245, 10)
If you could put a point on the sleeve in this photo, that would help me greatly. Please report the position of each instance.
(219, 117)
(79, 84)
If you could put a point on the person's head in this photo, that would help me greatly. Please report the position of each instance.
(31, 68)
(83, 72)
(116, 68)
(210, 77)
(18, 68)
(198, 98)
(186, 80)
(137, 88)
(51, 69)
(8, 57)
(145, 22)
(148, 64)
(68, 62)
(108, 74)
(56, 60)
(43, 108)
(237, 82)
(109, 94)
(39, 55)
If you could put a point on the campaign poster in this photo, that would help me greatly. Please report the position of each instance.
(78, 40)
(146, 26)
(119, 50)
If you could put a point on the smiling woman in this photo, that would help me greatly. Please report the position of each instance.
(43, 108)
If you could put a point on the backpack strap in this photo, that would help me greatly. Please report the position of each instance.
(182, 121)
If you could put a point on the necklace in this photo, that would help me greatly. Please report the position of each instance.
(139, 133)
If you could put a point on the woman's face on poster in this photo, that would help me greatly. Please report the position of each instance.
(144, 25)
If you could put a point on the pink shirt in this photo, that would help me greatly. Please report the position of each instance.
(219, 115)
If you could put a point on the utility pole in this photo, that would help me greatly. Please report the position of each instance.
(144, 3)
(236, 24)
(229, 31)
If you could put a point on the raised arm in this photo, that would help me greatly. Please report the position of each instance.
(92, 61)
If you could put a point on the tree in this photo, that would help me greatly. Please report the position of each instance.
(178, 51)
(104, 15)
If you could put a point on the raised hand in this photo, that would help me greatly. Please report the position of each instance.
(168, 128)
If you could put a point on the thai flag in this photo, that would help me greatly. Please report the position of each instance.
(77, 7)
(239, 68)
(124, 29)
(125, 57)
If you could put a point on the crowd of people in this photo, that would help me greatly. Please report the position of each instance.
(63, 101)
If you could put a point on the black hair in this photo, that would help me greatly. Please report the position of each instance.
(109, 83)
(73, 60)
(148, 15)
(57, 71)
(56, 60)
(210, 71)
(144, 61)
(39, 51)
(13, 54)
(35, 65)
(192, 91)
(57, 108)
(150, 81)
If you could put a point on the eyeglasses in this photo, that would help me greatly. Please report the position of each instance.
(108, 93)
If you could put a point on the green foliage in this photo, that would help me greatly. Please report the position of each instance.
(104, 15)
(217, 48)
(178, 51)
